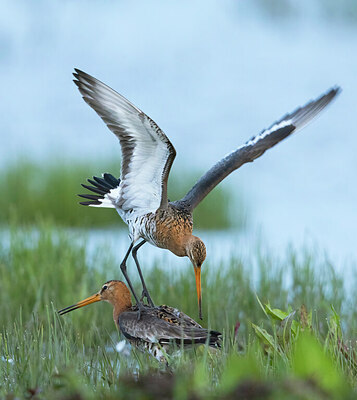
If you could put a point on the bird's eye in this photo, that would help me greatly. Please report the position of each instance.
(105, 287)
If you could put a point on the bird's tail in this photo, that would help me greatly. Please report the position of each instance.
(215, 339)
(199, 336)
(106, 191)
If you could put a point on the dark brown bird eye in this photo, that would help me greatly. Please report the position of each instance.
(104, 287)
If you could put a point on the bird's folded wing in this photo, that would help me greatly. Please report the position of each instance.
(254, 148)
(150, 328)
(147, 153)
(184, 318)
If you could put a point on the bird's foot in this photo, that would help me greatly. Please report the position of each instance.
(146, 295)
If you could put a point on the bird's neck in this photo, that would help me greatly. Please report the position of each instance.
(194, 245)
(118, 309)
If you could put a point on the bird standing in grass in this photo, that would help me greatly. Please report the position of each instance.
(156, 328)
(140, 195)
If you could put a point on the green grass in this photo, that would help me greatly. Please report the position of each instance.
(277, 354)
(33, 192)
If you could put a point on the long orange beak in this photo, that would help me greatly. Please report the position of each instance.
(198, 287)
(85, 302)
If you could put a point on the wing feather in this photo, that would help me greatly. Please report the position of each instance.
(255, 147)
(147, 152)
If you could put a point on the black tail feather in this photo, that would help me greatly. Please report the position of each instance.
(100, 186)
(90, 196)
(110, 179)
(214, 340)
(94, 189)
(96, 184)
(102, 183)
(90, 203)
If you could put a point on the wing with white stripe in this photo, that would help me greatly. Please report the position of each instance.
(147, 153)
(255, 147)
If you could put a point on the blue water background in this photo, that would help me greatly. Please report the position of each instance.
(211, 74)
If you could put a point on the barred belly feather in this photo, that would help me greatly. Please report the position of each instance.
(164, 228)
(147, 228)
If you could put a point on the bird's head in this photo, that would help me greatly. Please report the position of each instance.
(196, 252)
(114, 292)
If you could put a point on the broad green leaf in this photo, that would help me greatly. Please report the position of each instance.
(290, 323)
(264, 336)
(275, 312)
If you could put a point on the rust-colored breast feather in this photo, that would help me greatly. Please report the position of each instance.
(172, 227)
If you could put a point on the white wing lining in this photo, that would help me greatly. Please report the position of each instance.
(147, 152)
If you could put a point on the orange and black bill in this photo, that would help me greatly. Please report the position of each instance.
(85, 302)
(198, 287)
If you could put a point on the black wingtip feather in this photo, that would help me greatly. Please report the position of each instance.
(215, 339)
(337, 88)
(78, 73)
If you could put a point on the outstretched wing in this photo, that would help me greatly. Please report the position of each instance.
(255, 147)
(147, 153)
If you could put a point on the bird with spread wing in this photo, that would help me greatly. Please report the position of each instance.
(140, 194)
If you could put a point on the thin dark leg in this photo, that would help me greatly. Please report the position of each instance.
(145, 291)
(123, 270)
